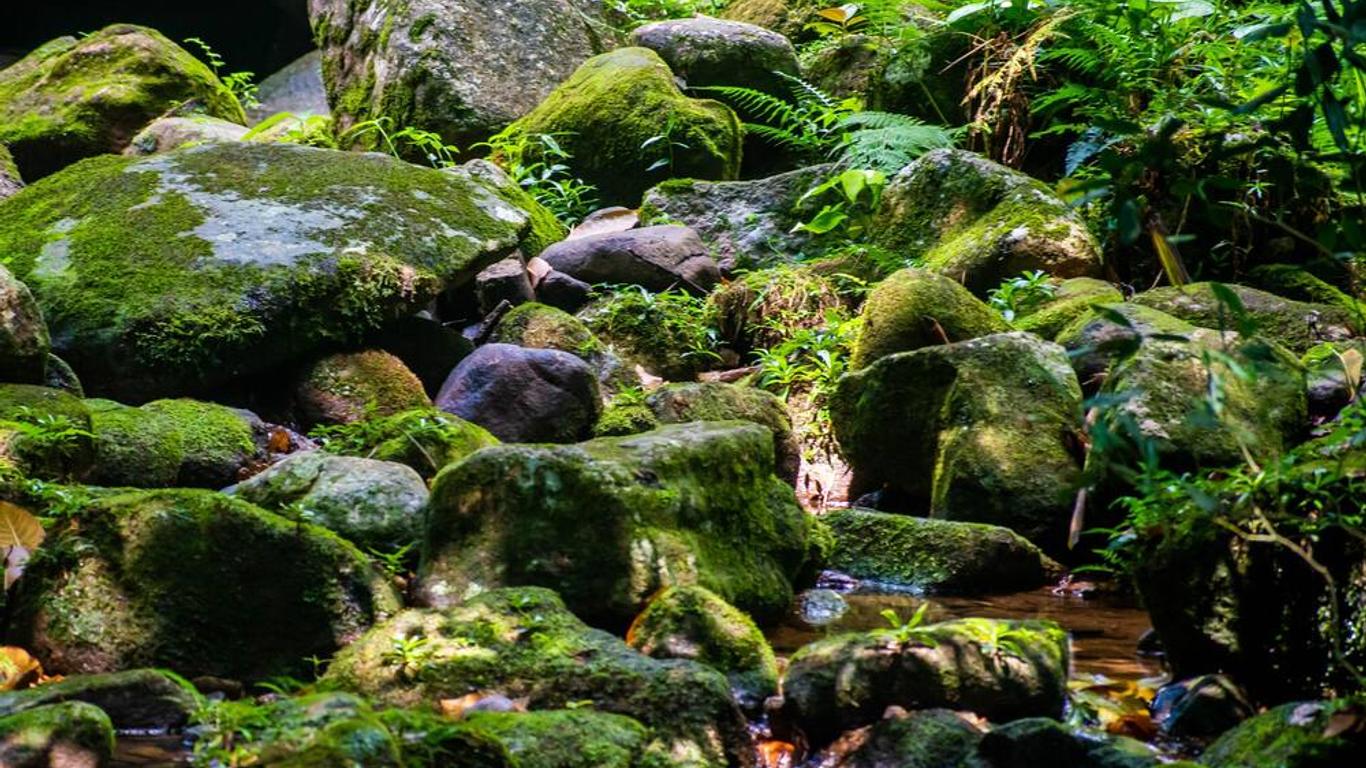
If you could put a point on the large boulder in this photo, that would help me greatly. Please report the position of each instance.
(524, 395)
(462, 69)
(193, 267)
(72, 99)
(1001, 670)
(297, 89)
(351, 386)
(786, 17)
(145, 585)
(524, 643)
(1109, 333)
(1297, 325)
(1165, 391)
(935, 555)
(712, 401)
(978, 431)
(694, 623)
(184, 443)
(378, 505)
(744, 223)
(427, 440)
(621, 114)
(654, 258)
(70, 735)
(981, 223)
(609, 522)
(24, 343)
(915, 308)
(1037, 741)
(926, 738)
(707, 52)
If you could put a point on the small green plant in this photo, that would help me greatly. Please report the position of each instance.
(539, 163)
(638, 12)
(807, 125)
(409, 654)
(397, 563)
(853, 199)
(1021, 294)
(675, 318)
(809, 364)
(403, 143)
(666, 147)
(910, 631)
(242, 85)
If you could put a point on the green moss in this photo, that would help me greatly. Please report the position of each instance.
(712, 401)
(1295, 282)
(141, 295)
(544, 327)
(73, 733)
(913, 309)
(565, 738)
(524, 644)
(621, 419)
(426, 440)
(685, 504)
(694, 623)
(143, 585)
(72, 99)
(1294, 324)
(666, 333)
(212, 437)
(932, 738)
(45, 433)
(348, 387)
(764, 308)
(1295, 735)
(935, 555)
(1071, 300)
(618, 101)
(134, 447)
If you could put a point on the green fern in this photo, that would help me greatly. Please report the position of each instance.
(888, 142)
(806, 125)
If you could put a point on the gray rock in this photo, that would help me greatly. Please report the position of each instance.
(1298, 325)
(1039, 741)
(139, 699)
(461, 68)
(655, 258)
(167, 133)
(378, 505)
(1112, 332)
(297, 89)
(10, 183)
(709, 401)
(524, 395)
(24, 341)
(1201, 708)
(743, 223)
(563, 292)
(706, 51)
(506, 280)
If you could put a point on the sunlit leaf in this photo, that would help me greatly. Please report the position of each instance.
(19, 528)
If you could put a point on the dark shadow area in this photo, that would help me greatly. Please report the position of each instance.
(259, 36)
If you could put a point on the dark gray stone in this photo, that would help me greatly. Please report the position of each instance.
(524, 395)
(655, 258)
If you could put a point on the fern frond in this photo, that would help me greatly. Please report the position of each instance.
(756, 105)
(888, 142)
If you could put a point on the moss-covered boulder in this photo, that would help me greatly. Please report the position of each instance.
(787, 17)
(935, 555)
(1001, 670)
(540, 326)
(198, 582)
(709, 52)
(694, 623)
(524, 644)
(666, 334)
(927, 738)
(1109, 333)
(71, 99)
(1165, 384)
(426, 440)
(1071, 299)
(44, 433)
(915, 308)
(610, 114)
(978, 222)
(167, 133)
(139, 699)
(712, 401)
(1295, 282)
(196, 266)
(1039, 741)
(609, 522)
(977, 431)
(1295, 324)
(351, 386)
(763, 308)
(74, 734)
(184, 443)
(24, 343)
(625, 416)
(10, 181)
(1294, 735)
(461, 69)
(378, 505)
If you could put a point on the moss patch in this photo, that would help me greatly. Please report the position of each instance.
(913, 309)
(426, 440)
(348, 387)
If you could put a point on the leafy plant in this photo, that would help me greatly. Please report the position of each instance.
(641, 11)
(888, 142)
(409, 654)
(809, 363)
(242, 85)
(666, 146)
(403, 143)
(540, 165)
(1021, 294)
(910, 632)
(808, 124)
(396, 563)
(673, 318)
(854, 196)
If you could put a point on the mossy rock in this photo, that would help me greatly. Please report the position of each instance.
(915, 308)
(641, 330)
(935, 555)
(377, 505)
(545, 229)
(927, 738)
(10, 182)
(138, 699)
(706, 52)
(574, 738)
(427, 440)
(714, 401)
(1298, 283)
(185, 443)
(24, 342)
(976, 431)
(848, 681)
(167, 133)
(764, 308)
(198, 266)
(1036, 741)
(1071, 299)
(620, 419)
(540, 326)
(1264, 406)
(71, 99)
(619, 101)
(981, 223)
(524, 644)
(351, 386)
(609, 522)
(1109, 333)
(70, 734)
(786, 17)
(1295, 324)
(1294, 735)
(694, 623)
(45, 433)
(198, 582)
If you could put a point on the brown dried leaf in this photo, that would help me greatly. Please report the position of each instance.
(19, 528)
